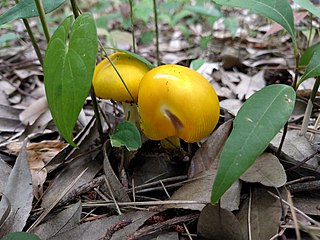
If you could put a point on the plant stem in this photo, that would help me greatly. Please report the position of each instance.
(114, 67)
(33, 40)
(132, 26)
(74, 8)
(97, 114)
(308, 111)
(42, 16)
(157, 30)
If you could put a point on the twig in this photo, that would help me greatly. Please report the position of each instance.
(249, 214)
(303, 161)
(306, 186)
(47, 210)
(70, 196)
(294, 216)
(145, 231)
(297, 210)
(147, 203)
(112, 195)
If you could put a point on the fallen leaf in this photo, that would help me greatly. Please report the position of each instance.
(19, 193)
(264, 214)
(61, 222)
(266, 170)
(217, 223)
(249, 85)
(295, 148)
(97, 229)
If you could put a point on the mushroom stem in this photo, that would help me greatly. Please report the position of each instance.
(131, 113)
(170, 142)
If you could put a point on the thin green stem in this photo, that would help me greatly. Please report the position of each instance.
(157, 30)
(33, 40)
(42, 16)
(119, 75)
(132, 26)
(310, 33)
(308, 111)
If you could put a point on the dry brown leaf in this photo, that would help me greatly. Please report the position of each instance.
(217, 223)
(266, 170)
(265, 213)
(38, 154)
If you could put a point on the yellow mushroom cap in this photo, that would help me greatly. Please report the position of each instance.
(177, 101)
(108, 85)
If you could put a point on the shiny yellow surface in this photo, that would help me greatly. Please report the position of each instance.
(108, 85)
(177, 101)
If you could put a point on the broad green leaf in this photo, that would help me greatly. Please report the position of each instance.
(260, 118)
(313, 68)
(20, 236)
(308, 5)
(27, 9)
(68, 70)
(277, 10)
(126, 134)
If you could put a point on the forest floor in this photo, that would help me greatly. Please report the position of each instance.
(100, 192)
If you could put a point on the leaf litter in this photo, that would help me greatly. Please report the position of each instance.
(77, 193)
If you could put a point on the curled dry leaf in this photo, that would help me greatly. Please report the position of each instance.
(38, 155)
(266, 170)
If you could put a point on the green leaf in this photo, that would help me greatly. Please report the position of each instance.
(27, 9)
(68, 71)
(313, 68)
(307, 55)
(138, 57)
(126, 134)
(196, 64)
(277, 10)
(20, 236)
(308, 5)
(260, 118)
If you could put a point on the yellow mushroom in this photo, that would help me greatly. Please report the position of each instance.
(176, 101)
(107, 83)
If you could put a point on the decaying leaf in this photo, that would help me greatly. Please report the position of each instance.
(61, 222)
(19, 193)
(296, 148)
(202, 170)
(38, 155)
(265, 213)
(267, 170)
(217, 223)
(107, 227)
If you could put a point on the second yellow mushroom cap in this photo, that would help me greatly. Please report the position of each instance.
(107, 83)
(177, 101)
